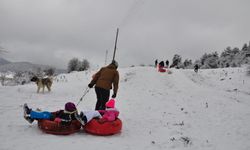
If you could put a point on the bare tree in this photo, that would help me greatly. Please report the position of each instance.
(2, 78)
(50, 71)
(73, 64)
(248, 70)
(84, 65)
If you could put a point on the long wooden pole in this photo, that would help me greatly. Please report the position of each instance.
(117, 31)
(106, 56)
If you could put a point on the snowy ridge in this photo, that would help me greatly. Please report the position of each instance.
(3, 61)
(24, 66)
(182, 110)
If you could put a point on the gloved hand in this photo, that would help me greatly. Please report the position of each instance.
(90, 85)
(114, 95)
(58, 120)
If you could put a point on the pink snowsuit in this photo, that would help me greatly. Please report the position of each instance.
(110, 114)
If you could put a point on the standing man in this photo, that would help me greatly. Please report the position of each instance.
(196, 67)
(103, 81)
(161, 64)
(167, 63)
(156, 63)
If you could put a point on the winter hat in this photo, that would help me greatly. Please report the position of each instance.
(70, 107)
(110, 103)
(115, 63)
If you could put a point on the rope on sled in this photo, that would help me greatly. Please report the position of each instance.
(85, 92)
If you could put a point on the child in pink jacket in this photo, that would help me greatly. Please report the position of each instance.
(110, 114)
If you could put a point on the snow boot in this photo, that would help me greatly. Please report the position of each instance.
(26, 109)
(26, 113)
(30, 120)
(81, 118)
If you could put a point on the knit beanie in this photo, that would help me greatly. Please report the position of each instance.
(70, 107)
(110, 103)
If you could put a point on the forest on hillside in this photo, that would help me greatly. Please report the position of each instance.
(230, 57)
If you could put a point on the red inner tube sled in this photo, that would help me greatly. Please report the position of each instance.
(106, 128)
(53, 127)
(161, 69)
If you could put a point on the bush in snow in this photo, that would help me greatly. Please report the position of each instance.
(76, 65)
(84, 65)
(49, 71)
(2, 78)
(188, 63)
(73, 65)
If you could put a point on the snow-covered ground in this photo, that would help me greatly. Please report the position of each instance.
(209, 110)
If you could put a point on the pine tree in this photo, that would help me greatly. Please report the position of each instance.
(176, 61)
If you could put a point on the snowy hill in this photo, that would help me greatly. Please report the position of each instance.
(183, 110)
(3, 61)
(18, 66)
(24, 66)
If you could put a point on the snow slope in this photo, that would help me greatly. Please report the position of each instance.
(183, 110)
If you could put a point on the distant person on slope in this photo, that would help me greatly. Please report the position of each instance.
(196, 67)
(161, 64)
(161, 67)
(167, 63)
(156, 63)
(103, 81)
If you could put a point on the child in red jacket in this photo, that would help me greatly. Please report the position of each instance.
(110, 114)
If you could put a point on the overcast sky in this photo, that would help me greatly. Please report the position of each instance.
(52, 32)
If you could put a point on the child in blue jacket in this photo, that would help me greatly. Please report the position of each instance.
(61, 116)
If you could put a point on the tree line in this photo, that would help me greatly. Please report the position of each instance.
(76, 65)
(230, 57)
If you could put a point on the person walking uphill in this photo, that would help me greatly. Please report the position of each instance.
(103, 80)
